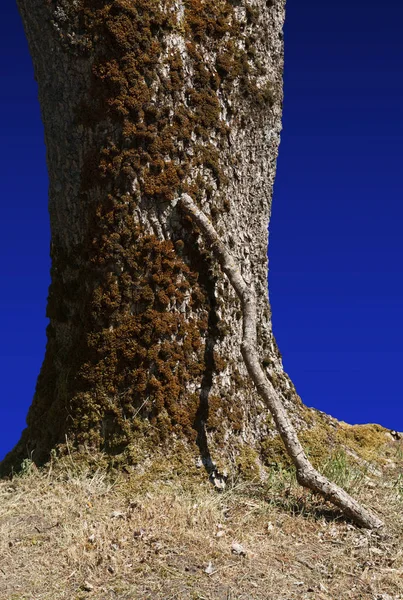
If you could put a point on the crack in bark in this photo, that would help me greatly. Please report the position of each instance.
(307, 475)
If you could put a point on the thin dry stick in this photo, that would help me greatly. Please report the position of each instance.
(306, 474)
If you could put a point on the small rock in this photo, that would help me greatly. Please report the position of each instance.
(91, 539)
(220, 533)
(270, 527)
(238, 549)
(116, 514)
(87, 587)
(209, 569)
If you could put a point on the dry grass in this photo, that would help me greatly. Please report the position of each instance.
(68, 532)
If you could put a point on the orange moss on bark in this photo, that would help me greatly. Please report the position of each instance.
(130, 312)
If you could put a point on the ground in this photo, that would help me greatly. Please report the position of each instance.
(77, 532)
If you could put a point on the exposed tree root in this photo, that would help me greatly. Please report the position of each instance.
(306, 474)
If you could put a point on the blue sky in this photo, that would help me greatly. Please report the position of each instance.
(336, 246)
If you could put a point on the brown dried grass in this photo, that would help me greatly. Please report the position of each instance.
(141, 536)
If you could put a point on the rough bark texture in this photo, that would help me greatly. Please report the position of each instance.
(144, 100)
(141, 100)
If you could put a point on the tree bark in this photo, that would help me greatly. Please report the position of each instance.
(144, 101)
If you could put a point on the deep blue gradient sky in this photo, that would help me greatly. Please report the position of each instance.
(336, 243)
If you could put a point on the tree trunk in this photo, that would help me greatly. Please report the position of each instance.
(143, 100)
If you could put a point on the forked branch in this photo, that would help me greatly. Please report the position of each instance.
(306, 474)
